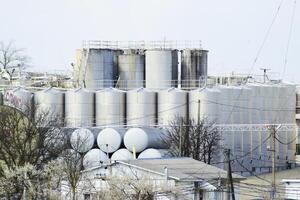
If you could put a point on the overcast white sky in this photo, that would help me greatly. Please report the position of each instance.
(232, 30)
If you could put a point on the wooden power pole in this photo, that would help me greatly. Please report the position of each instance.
(230, 187)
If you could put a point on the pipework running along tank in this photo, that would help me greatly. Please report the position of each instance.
(110, 139)
(142, 138)
(154, 153)
(94, 158)
(110, 107)
(82, 140)
(122, 154)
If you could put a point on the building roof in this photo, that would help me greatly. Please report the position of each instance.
(183, 169)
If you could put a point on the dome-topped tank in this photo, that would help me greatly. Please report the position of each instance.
(79, 108)
(94, 158)
(19, 98)
(50, 102)
(172, 103)
(110, 139)
(141, 107)
(110, 107)
(122, 154)
(82, 140)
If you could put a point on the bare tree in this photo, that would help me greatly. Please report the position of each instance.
(199, 140)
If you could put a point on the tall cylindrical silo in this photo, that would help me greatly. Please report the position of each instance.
(193, 66)
(172, 103)
(131, 70)
(142, 138)
(49, 103)
(161, 68)
(101, 68)
(141, 107)
(82, 140)
(110, 139)
(110, 107)
(79, 108)
(154, 153)
(94, 158)
(122, 154)
(19, 98)
(208, 107)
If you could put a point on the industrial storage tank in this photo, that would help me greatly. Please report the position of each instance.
(131, 67)
(49, 102)
(161, 68)
(79, 108)
(154, 153)
(122, 154)
(207, 101)
(193, 67)
(141, 107)
(82, 140)
(172, 103)
(110, 139)
(139, 139)
(94, 158)
(101, 67)
(110, 107)
(19, 98)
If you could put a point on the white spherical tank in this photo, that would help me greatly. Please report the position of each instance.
(110, 107)
(172, 103)
(82, 140)
(19, 98)
(79, 108)
(142, 138)
(154, 153)
(161, 68)
(49, 102)
(141, 107)
(94, 158)
(122, 154)
(110, 139)
(209, 104)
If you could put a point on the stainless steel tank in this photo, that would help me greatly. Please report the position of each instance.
(19, 98)
(79, 108)
(110, 139)
(172, 103)
(161, 68)
(49, 103)
(154, 153)
(139, 139)
(193, 66)
(131, 67)
(82, 140)
(94, 158)
(141, 107)
(101, 68)
(110, 107)
(122, 154)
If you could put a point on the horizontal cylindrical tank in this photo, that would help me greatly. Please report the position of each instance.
(19, 98)
(154, 153)
(161, 68)
(193, 66)
(131, 70)
(79, 108)
(110, 139)
(49, 103)
(122, 154)
(206, 101)
(141, 107)
(142, 138)
(94, 158)
(82, 140)
(172, 103)
(110, 107)
(102, 69)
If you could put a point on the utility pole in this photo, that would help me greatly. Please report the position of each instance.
(230, 187)
(199, 112)
(265, 73)
(180, 138)
(273, 191)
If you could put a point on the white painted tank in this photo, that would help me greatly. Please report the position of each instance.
(141, 107)
(142, 138)
(110, 107)
(94, 158)
(154, 153)
(209, 104)
(122, 154)
(19, 98)
(50, 102)
(82, 140)
(161, 68)
(110, 139)
(172, 103)
(79, 108)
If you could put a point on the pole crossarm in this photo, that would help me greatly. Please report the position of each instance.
(255, 127)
